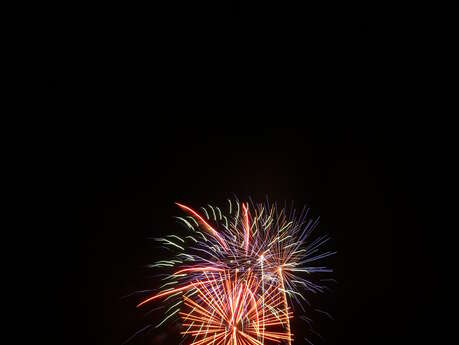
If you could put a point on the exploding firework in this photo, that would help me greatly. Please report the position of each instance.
(228, 309)
(235, 275)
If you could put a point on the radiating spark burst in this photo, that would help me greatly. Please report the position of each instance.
(235, 275)
(230, 311)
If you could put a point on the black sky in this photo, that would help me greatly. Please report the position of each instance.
(369, 189)
(231, 96)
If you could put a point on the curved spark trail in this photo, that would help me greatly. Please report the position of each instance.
(206, 225)
(237, 286)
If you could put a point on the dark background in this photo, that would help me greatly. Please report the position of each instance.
(255, 99)
(371, 190)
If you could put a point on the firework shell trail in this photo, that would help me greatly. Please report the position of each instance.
(237, 274)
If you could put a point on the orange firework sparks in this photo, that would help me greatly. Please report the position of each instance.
(229, 311)
(236, 286)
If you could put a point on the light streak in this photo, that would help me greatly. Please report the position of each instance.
(232, 289)
(247, 226)
(281, 278)
(206, 225)
(200, 269)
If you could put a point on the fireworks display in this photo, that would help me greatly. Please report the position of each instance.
(235, 276)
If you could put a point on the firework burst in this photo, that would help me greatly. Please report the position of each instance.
(235, 275)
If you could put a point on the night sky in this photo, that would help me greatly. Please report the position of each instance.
(366, 188)
(231, 105)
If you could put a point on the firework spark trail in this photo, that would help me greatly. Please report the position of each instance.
(281, 278)
(262, 296)
(234, 312)
(247, 227)
(206, 225)
(236, 286)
